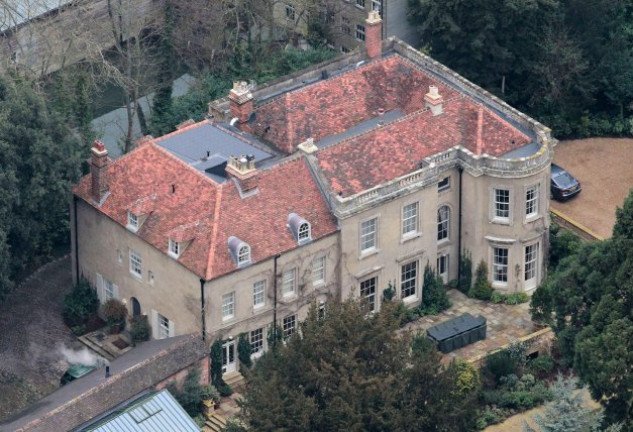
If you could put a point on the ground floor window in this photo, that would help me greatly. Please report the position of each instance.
(163, 327)
(442, 267)
(368, 292)
(257, 340)
(289, 326)
(500, 265)
(409, 279)
(531, 266)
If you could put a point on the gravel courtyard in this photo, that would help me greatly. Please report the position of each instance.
(604, 168)
(31, 334)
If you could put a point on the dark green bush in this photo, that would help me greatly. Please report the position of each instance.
(78, 330)
(433, 291)
(225, 390)
(80, 304)
(244, 350)
(140, 329)
(542, 365)
(482, 289)
(192, 392)
(500, 364)
(465, 281)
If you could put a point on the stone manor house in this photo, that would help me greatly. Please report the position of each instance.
(335, 182)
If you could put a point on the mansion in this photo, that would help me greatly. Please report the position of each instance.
(335, 182)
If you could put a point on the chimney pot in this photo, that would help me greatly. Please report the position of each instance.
(241, 105)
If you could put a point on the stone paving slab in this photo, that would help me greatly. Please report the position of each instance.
(506, 324)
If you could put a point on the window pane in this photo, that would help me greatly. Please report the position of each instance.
(500, 265)
(530, 261)
(443, 219)
(318, 270)
(228, 305)
(442, 265)
(289, 325)
(410, 218)
(408, 279)
(135, 263)
(368, 292)
(258, 293)
(502, 203)
(531, 201)
(257, 340)
(368, 234)
(163, 327)
(288, 283)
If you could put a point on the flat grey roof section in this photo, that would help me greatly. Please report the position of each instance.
(207, 146)
(14, 13)
(158, 412)
(361, 127)
(525, 151)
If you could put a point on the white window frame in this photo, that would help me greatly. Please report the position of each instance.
(444, 184)
(499, 213)
(318, 270)
(228, 306)
(132, 221)
(360, 4)
(136, 264)
(411, 289)
(443, 223)
(289, 326)
(367, 291)
(289, 282)
(304, 233)
(259, 293)
(499, 267)
(376, 5)
(368, 235)
(530, 264)
(256, 339)
(290, 12)
(164, 326)
(360, 32)
(443, 263)
(410, 219)
(532, 195)
(109, 290)
(243, 255)
(175, 248)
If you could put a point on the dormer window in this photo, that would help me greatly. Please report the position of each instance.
(244, 255)
(304, 232)
(174, 248)
(240, 251)
(132, 221)
(300, 228)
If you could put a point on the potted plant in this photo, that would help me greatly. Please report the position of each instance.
(114, 313)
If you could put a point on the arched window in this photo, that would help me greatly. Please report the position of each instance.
(443, 220)
(304, 232)
(244, 255)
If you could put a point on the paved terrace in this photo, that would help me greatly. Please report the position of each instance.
(506, 324)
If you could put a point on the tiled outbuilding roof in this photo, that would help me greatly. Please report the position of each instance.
(187, 204)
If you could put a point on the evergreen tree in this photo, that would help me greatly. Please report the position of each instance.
(482, 289)
(433, 292)
(39, 160)
(350, 371)
(568, 411)
(588, 301)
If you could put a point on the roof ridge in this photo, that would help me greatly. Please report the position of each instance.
(181, 130)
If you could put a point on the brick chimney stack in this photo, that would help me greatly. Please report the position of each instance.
(241, 104)
(242, 169)
(434, 100)
(373, 35)
(99, 170)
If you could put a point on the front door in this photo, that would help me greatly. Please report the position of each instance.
(228, 357)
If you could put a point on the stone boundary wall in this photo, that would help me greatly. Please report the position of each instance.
(574, 227)
(121, 387)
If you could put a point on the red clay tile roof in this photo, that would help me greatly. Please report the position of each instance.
(333, 106)
(396, 149)
(213, 212)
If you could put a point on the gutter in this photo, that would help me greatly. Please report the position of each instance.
(203, 311)
(76, 239)
(460, 169)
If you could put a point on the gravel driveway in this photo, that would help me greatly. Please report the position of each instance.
(31, 335)
(603, 166)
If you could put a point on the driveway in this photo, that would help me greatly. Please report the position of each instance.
(31, 336)
(603, 167)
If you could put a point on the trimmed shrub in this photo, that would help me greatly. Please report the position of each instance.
(80, 304)
(140, 329)
(482, 289)
(433, 292)
(465, 281)
(542, 366)
(192, 392)
(500, 364)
